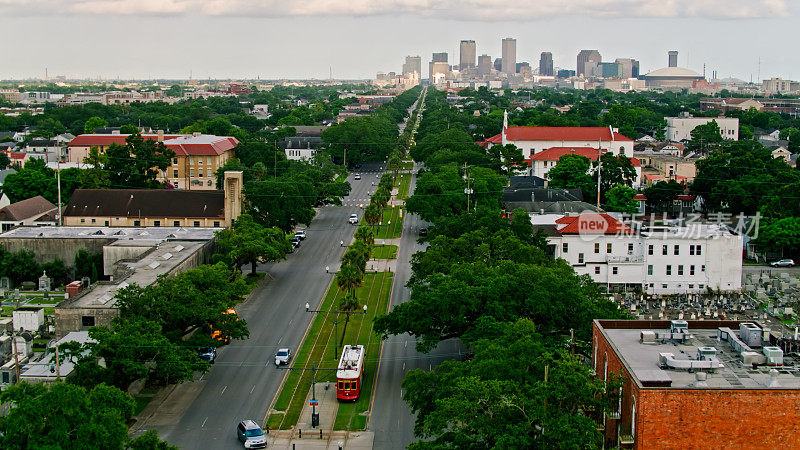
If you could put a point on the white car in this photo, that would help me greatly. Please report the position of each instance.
(357, 176)
(283, 356)
(353, 219)
(300, 234)
(783, 263)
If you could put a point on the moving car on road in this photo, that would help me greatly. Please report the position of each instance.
(783, 263)
(283, 356)
(357, 176)
(207, 354)
(300, 234)
(353, 219)
(251, 435)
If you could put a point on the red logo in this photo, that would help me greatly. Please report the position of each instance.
(590, 225)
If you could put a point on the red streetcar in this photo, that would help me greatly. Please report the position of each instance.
(349, 373)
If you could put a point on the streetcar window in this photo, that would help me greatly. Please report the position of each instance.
(341, 385)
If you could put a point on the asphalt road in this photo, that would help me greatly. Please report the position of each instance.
(392, 421)
(244, 380)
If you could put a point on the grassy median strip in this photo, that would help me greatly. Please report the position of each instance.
(384, 251)
(391, 225)
(402, 184)
(318, 348)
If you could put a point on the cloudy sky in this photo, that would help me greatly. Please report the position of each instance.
(356, 38)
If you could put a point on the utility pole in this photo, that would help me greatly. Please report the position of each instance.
(467, 191)
(314, 416)
(58, 365)
(599, 166)
(276, 160)
(58, 182)
(16, 357)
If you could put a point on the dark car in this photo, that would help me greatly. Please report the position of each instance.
(207, 354)
(295, 241)
(423, 231)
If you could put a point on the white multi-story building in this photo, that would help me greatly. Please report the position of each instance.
(680, 128)
(542, 162)
(532, 140)
(656, 260)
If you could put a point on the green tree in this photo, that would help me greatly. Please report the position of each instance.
(19, 266)
(247, 242)
(620, 199)
(94, 123)
(88, 264)
(35, 178)
(705, 138)
(137, 163)
(372, 215)
(128, 129)
(95, 176)
(61, 415)
(781, 236)
(281, 202)
(661, 195)
(349, 278)
(365, 235)
(572, 172)
(4, 161)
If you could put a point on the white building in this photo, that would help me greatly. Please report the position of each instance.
(542, 162)
(680, 128)
(658, 260)
(532, 140)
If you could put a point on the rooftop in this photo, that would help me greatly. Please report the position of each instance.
(26, 209)
(719, 342)
(674, 72)
(127, 234)
(145, 203)
(41, 369)
(592, 134)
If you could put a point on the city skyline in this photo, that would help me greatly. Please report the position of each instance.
(171, 42)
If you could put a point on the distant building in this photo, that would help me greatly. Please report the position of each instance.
(680, 128)
(524, 69)
(673, 58)
(628, 67)
(439, 71)
(673, 77)
(413, 64)
(484, 65)
(439, 57)
(34, 211)
(780, 86)
(608, 70)
(467, 55)
(509, 64)
(587, 61)
(498, 64)
(565, 73)
(541, 162)
(546, 64)
(693, 383)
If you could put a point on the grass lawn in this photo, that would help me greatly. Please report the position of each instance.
(390, 230)
(141, 402)
(402, 185)
(384, 252)
(318, 348)
(48, 301)
(407, 165)
(49, 311)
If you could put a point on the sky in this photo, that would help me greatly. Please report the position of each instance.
(354, 39)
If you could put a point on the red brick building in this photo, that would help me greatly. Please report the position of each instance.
(697, 384)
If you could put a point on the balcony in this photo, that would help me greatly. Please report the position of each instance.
(625, 436)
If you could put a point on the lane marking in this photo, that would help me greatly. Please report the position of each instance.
(279, 340)
(253, 389)
(204, 422)
(223, 390)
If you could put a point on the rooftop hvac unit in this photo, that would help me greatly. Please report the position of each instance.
(678, 326)
(706, 353)
(751, 334)
(648, 337)
(774, 355)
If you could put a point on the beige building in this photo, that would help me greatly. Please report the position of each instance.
(156, 207)
(680, 128)
(197, 156)
(657, 167)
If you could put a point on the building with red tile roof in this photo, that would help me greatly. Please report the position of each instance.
(541, 162)
(197, 156)
(532, 140)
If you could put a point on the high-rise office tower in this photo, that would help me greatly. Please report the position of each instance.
(439, 57)
(484, 65)
(628, 67)
(673, 58)
(412, 64)
(546, 64)
(468, 52)
(587, 62)
(509, 56)
(498, 64)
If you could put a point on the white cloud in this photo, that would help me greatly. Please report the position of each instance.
(480, 10)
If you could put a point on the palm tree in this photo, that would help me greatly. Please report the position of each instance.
(355, 257)
(373, 215)
(347, 305)
(365, 235)
(349, 278)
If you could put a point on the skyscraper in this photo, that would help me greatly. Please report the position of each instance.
(673, 58)
(484, 65)
(546, 64)
(468, 52)
(412, 64)
(509, 56)
(439, 57)
(587, 61)
(628, 67)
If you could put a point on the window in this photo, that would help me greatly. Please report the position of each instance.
(650, 249)
(597, 270)
(191, 173)
(677, 249)
(703, 268)
(200, 172)
(199, 160)
(630, 249)
(580, 258)
(663, 249)
(700, 286)
(691, 269)
(680, 270)
(137, 223)
(597, 247)
(216, 224)
(649, 269)
(92, 220)
(663, 286)
(669, 269)
(176, 184)
(174, 160)
(564, 247)
(341, 385)
(614, 270)
(106, 223)
(156, 223)
(196, 223)
(691, 250)
(83, 220)
(691, 286)
(191, 160)
(87, 321)
(176, 223)
(697, 250)
(608, 248)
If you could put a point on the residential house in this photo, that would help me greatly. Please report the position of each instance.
(680, 128)
(50, 150)
(532, 140)
(34, 211)
(541, 162)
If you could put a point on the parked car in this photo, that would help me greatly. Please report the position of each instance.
(423, 231)
(207, 354)
(295, 242)
(283, 356)
(783, 263)
(251, 435)
(300, 234)
(353, 219)
(357, 176)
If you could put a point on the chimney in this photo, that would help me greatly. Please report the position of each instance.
(232, 185)
(160, 135)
